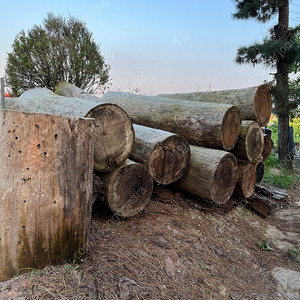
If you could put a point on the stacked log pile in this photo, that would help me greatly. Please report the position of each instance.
(207, 144)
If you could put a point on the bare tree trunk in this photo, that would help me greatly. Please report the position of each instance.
(254, 102)
(282, 94)
(128, 189)
(212, 174)
(165, 155)
(46, 166)
(114, 135)
(203, 124)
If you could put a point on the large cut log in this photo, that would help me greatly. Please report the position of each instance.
(114, 135)
(254, 102)
(203, 124)
(250, 143)
(260, 170)
(128, 189)
(46, 166)
(246, 181)
(165, 155)
(268, 145)
(212, 174)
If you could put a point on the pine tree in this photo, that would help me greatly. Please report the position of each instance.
(281, 49)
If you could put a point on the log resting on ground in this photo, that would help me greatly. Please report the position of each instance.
(212, 174)
(114, 135)
(128, 189)
(254, 102)
(46, 189)
(268, 145)
(246, 181)
(260, 170)
(165, 155)
(203, 124)
(250, 143)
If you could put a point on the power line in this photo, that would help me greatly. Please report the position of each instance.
(295, 12)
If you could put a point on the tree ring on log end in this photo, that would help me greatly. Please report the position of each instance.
(224, 179)
(231, 125)
(260, 171)
(130, 190)
(254, 142)
(114, 127)
(248, 181)
(169, 159)
(263, 105)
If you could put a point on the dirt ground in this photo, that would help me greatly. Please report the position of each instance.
(178, 248)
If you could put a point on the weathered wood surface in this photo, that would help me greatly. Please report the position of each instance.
(250, 143)
(254, 102)
(272, 192)
(212, 174)
(203, 124)
(268, 145)
(246, 181)
(46, 166)
(165, 155)
(114, 135)
(260, 170)
(128, 189)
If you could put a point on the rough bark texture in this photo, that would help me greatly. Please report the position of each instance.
(212, 174)
(127, 189)
(203, 124)
(260, 170)
(250, 143)
(282, 97)
(268, 145)
(46, 189)
(246, 181)
(254, 102)
(165, 155)
(114, 135)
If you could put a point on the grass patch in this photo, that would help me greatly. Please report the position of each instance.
(276, 174)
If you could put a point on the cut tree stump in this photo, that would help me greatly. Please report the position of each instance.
(212, 174)
(165, 155)
(128, 189)
(254, 102)
(203, 124)
(46, 166)
(246, 181)
(268, 145)
(114, 135)
(250, 143)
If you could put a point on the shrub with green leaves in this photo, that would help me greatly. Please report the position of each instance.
(59, 50)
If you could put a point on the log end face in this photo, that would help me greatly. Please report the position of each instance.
(260, 171)
(254, 142)
(114, 136)
(169, 160)
(231, 126)
(224, 180)
(268, 145)
(248, 181)
(130, 190)
(263, 105)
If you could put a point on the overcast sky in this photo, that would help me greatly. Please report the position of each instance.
(161, 46)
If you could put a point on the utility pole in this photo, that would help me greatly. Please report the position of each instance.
(2, 93)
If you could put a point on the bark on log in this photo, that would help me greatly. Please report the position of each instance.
(260, 170)
(203, 124)
(246, 181)
(114, 135)
(212, 174)
(250, 143)
(128, 189)
(165, 155)
(46, 189)
(254, 102)
(268, 145)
